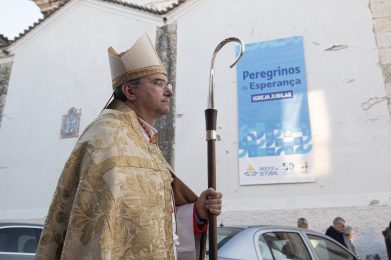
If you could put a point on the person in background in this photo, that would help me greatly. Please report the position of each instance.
(387, 238)
(302, 223)
(348, 238)
(336, 230)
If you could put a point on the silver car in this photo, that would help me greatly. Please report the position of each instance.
(18, 241)
(277, 242)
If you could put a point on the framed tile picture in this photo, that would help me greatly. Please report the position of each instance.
(71, 123)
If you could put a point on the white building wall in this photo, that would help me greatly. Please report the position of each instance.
(63, 63)
(351, 145)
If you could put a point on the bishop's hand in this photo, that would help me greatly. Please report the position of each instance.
(209, 201)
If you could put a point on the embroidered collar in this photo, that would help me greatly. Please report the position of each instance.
(149, 131)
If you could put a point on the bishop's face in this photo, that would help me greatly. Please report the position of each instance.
(152, 96)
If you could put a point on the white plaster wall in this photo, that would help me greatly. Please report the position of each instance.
(61, 64)
(351, 145)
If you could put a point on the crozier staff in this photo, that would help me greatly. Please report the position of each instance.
(211, 121)
(117, 197)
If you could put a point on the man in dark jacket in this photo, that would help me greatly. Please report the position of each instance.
(387, 238)
(336, 230)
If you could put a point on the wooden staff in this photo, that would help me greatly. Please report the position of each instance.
(211, 119)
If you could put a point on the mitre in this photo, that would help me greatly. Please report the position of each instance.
(138, 61)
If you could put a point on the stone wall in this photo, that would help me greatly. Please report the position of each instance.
(5, 71)
(381, 12)
(166, 39)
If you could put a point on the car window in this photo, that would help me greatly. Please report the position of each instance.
(224, 234)
(19, 239)
(329, 250)
(282, 245)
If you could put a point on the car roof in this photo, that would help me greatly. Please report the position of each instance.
(19, 224)
(273, 227)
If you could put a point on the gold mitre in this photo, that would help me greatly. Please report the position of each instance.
(139, 61)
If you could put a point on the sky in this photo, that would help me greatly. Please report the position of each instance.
(16, 16)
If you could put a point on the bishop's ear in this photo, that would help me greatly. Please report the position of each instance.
(129, 91)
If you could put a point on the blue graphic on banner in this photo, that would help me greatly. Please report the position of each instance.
(272, 99)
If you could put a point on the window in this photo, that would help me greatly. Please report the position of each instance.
(223, 235)
(19, 239)
(283, 245)
(328, 250)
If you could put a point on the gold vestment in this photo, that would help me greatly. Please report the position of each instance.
(113, 199)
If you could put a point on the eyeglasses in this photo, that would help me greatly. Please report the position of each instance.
(161, 84)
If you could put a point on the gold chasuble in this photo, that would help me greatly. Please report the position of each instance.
(113, 199)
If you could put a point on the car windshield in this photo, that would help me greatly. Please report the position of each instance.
(224, 234)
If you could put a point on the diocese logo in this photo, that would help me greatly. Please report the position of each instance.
(250, 171)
